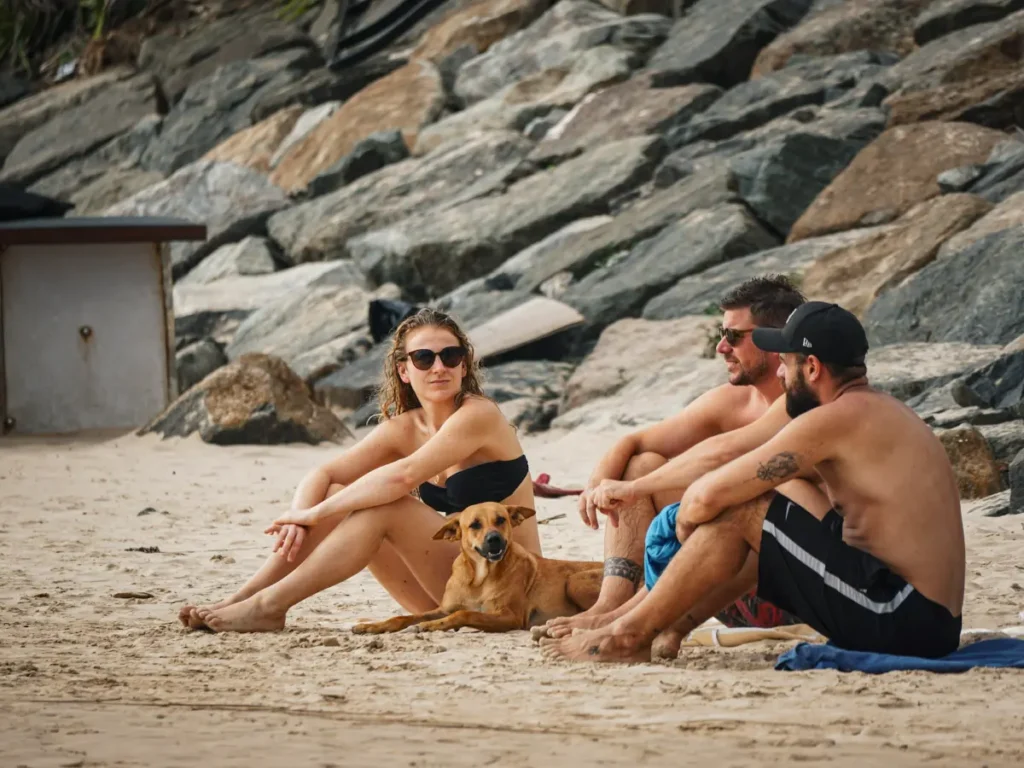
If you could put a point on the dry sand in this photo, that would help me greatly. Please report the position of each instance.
(89, 679)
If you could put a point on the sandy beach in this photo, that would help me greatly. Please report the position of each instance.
(93, 679)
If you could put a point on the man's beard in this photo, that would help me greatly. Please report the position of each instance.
(800, 399)
(748, 378)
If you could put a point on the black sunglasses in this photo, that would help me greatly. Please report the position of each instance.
(732, 335)
(424, 358)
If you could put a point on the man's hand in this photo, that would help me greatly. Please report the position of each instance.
(611, 495)
(289, 540)
(589, 508)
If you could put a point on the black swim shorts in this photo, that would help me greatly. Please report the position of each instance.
(843, 592)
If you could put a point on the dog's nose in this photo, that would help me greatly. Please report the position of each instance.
(494, 541)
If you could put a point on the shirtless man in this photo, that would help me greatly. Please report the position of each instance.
(877, 565)
(752, 388)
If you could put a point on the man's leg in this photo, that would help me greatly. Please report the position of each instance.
(623, 554)
(707, 574)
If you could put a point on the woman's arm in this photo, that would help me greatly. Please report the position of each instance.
(461, 436)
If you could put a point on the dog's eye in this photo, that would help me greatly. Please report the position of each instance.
(499, 521)
(476, 525)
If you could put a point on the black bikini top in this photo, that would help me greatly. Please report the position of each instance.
(492, 481)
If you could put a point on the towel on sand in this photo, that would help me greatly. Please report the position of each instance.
(1002, 652)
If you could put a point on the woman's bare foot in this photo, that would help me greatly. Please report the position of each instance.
(614, 643)
(251, 615)
(666, 645)
(189, 614)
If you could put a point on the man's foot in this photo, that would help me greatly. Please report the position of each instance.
(563, 626)
(613, 643)
(666, 645)
(252, 615)
(189, 614)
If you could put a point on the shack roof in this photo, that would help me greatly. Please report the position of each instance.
(75, 230)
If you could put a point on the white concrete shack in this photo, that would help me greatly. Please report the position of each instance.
(86, 322)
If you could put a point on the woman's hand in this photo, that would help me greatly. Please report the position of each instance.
(304, 517)
(289, 540)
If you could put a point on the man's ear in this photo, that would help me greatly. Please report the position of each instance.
(450, 531)
(518, 514)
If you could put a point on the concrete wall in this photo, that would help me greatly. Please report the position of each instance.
(114, 375)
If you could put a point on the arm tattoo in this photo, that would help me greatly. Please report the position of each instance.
(778, 466)
(624, 568)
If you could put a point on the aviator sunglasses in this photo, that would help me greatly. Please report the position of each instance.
(424, 358)
(732, 335)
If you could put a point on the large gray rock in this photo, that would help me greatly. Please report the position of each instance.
(515, 106)
(780, 168)
(354, 384)
(624, 286)
(371, 154)
(196, 361)
(472, 296)
(1009, 213)
(641, 220)
(702, 292)
(249, 256)
(997, 179)
(806, 81)
(318, 229)
(555, 40)
(106, 175)
(972, 75)
(632, 108)
(907, 370)
(217, 107)
(654, 394)
(1006, 438)
(77, 131)
(256, 400)
(180, 61)
(529, 390)
(247, 293)
(717, 41)
(333, 355)
(26, 115)
(945, 16)
(1017, 485)
(631, 348)
(1000, 384)
(231, 200)
(431, 253)
(984, 282)
(472, 308)
(299, 322)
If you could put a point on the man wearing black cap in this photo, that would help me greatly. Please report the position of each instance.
(876, 565)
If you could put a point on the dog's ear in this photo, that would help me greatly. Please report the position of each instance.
(518, 514)
(450, 531)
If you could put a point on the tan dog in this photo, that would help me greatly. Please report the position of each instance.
(496, 585)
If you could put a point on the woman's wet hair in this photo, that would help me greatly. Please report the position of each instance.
(394, 396)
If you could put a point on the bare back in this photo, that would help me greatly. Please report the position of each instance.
(890, 479)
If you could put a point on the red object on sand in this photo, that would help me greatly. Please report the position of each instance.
(542, 488)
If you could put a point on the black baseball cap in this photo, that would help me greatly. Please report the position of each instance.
(827, 331)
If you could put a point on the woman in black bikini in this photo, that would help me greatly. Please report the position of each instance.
(440, 437)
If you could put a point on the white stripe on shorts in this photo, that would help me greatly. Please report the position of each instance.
(830, 579)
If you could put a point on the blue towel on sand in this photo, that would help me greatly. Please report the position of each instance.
(660, 545)
(998, 652)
